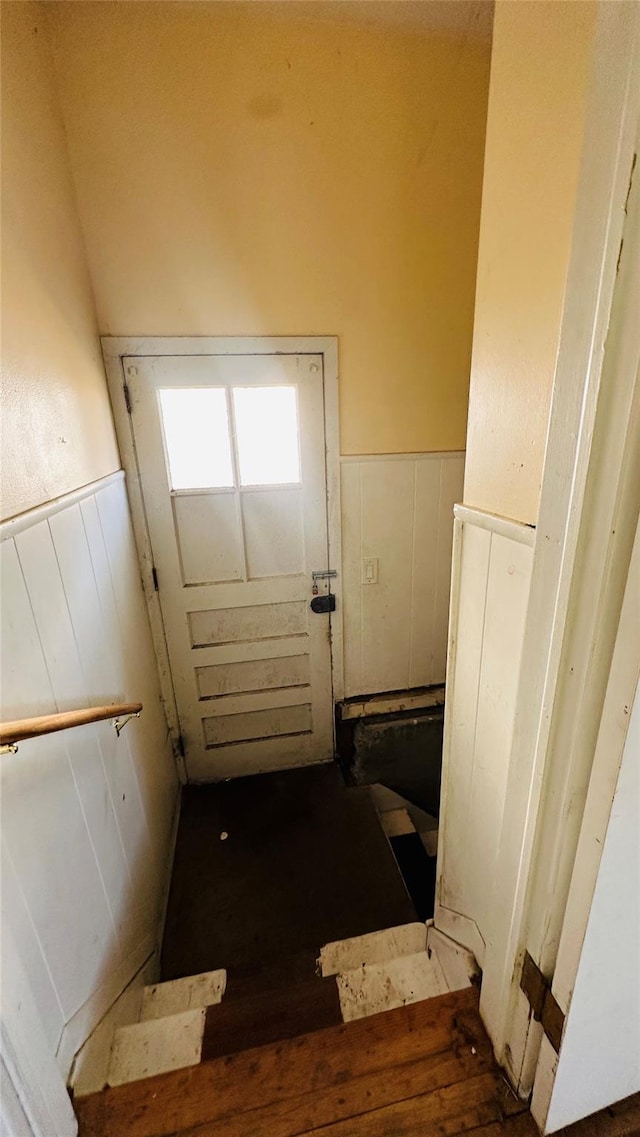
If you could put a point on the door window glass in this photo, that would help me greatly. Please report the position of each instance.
(267, 435)
(195, 422)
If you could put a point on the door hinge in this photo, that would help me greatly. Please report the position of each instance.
(154, 577)
(127, 398)
(545, 1009)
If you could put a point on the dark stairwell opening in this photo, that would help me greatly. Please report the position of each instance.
(268, 869)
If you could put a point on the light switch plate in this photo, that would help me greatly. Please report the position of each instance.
(370, 570)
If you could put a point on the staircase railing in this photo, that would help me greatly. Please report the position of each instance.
(11, 733)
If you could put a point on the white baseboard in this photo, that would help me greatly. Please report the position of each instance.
(91, 1065)
(86, 1019)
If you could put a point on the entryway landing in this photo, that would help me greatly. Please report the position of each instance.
(269, 869)
(289, 883)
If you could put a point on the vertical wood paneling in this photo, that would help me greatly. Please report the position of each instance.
(46, 832)
(119, 671)
(505, 610)
(86, 817)
(451, 483)
(462, 703)
(17, 922)
(387, 533)
(425, 553)
(351, 577)
(96, 776)
(21, 651)
(46, 595)
(77, 866)
(491, 593)
(139, 670)
(398, 509)
(91, 608)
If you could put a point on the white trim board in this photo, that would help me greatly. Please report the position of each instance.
(590, 1056)
(114, 349)
(393, 702)
(494, 523)
(14, 525)
(90, 1067)
(436, 455)
(79, 1029)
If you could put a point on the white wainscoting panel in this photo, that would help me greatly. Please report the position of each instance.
(86, 816)
(492, 560)
(398, 510)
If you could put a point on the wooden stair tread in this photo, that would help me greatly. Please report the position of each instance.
(221, 1089)
(293, 968)
(418, 1071)
(258, 1017)
(334, 1108)
(454, 1102)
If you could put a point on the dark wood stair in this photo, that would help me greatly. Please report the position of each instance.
(269, 1007)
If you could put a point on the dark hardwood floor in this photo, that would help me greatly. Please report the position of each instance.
(304, 862)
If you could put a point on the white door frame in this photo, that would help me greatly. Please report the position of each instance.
(114, 350)
(581, 561)
(622, 689)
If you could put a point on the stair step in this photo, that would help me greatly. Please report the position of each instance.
(176, 995)
(184, 1022)
(251, 1016)
(378, 987)
(374, 947)
(156, 1046)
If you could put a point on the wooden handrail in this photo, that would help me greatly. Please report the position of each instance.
(12, 732)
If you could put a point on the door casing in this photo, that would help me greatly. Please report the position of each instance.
(115, 349)
(542, 819)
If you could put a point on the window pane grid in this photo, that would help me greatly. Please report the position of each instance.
(266, 441)
(196, 433)
(221, 438)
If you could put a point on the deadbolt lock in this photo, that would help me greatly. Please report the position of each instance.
(325, 603)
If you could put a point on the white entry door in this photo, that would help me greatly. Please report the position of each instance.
(231, 456)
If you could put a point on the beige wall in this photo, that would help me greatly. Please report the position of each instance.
(539, 72)
(57, 432)
(258, 169)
